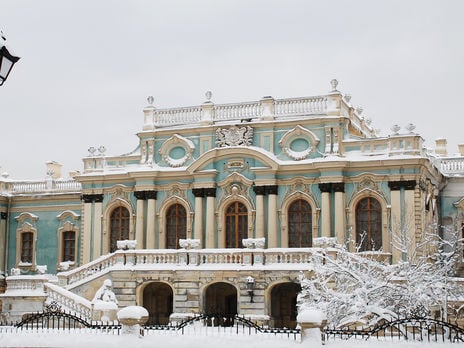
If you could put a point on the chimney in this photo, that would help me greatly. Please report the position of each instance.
(461, 149)
(440, 147)
(54, 169)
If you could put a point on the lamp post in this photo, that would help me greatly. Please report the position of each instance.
(7, 60)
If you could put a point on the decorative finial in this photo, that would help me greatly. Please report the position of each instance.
(208, 95)
(395, 128)
(410, 128)
(91, 151)
(102, 149)
(359, 110)
(150, 100)
(347, 97)
(334, 84)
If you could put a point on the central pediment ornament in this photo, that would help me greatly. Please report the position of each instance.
(234, 136)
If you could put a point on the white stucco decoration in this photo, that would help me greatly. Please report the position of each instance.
(126, 244)
(298, 133)
(189, 243)
(173, 142)
(254, 243)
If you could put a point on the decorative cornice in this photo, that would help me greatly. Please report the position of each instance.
(198, 192)
(332, 186)
(272, 189)
(338, 186)
(93, 198)
(325, 187)
(405, 184)
(210, 192)
(151, 194)
(140, 195)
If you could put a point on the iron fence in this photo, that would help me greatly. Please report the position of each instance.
(415, 329)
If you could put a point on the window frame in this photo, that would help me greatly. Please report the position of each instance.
(374, 224)
(178, 229)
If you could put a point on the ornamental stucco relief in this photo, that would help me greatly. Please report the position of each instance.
(234, 136)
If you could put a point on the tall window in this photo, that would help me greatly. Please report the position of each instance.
(27, 246)
(176, 225)
(69, 246)
(300, 225)
(368, 224)
(119, 226)
(236, 225)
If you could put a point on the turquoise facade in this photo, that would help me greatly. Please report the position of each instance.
(265, 155)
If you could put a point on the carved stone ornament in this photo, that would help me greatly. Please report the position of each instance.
(308, 142)
(254, 243)
(189, 243)
(234, 136)
(177, 142)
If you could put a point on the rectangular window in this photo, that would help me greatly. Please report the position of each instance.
(27, 245)
(69, 246)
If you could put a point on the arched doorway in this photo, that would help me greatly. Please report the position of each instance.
(283, 305)
(221, 301)
(157, 300)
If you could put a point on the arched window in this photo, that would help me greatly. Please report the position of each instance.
(300, 224)
(176, 225)
(27, 247)
(69, 246)
(368, 224)
(119, 226)
(236, 225)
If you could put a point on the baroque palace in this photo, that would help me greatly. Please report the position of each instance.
(219, 207)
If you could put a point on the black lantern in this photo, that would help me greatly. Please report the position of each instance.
(7, 60)
(250, 287)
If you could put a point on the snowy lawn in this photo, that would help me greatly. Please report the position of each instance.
(186, 341)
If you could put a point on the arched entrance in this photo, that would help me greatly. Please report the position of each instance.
(221, 301)
(157, 300)
(283, 305)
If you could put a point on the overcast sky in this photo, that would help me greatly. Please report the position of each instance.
(87, 66)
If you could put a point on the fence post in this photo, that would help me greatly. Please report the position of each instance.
(311, 322)
(132, 318)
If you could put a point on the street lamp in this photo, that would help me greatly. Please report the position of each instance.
(7, 60)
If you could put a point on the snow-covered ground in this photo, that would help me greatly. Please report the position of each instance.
(187, 341)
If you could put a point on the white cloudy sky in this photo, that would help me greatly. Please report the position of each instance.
(87, 66)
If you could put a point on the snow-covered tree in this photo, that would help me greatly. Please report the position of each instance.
(359, 287)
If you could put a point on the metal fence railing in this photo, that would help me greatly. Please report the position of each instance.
(409, 329)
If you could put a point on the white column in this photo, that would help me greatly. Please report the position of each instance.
(210, 219)
(396, 225)
(325, 210)
(340, 219)
(3, 246)
(259, 228)
(198, 219)
(97, 229)
(140, 220)
(409, 220)
(151, 223)
(272, 237)
(87, 232)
